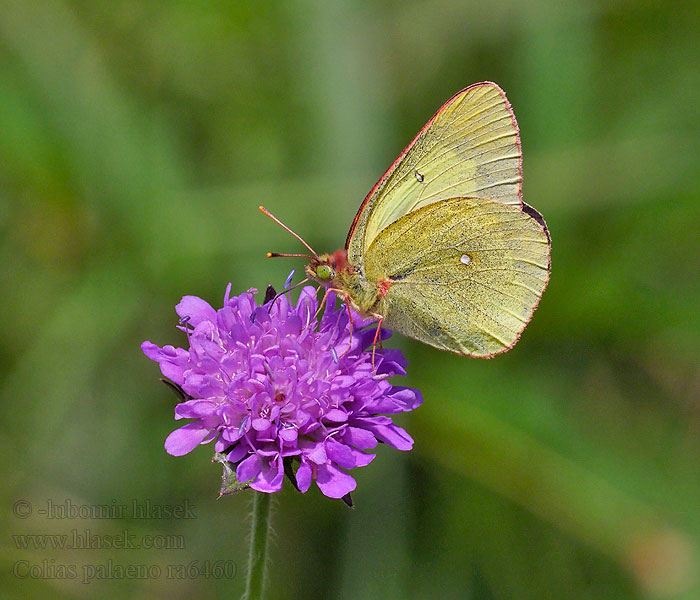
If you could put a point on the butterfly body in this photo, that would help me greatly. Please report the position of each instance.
(333, 271)
(443, 249)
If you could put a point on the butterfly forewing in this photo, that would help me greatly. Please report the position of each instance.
(470, 148)
(467, 273)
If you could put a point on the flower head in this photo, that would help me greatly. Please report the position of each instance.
(274, 386)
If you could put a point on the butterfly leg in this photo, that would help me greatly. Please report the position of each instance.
(323, 301)
(347, 305)
(376, 337)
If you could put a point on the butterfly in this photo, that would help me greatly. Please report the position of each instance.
(443, 249)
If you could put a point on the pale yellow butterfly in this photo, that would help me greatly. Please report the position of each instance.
(443, 249)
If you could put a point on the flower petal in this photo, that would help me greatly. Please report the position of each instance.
(394, 436)
(261, 424)
(249, 468)
(237, 453)
(406, 398)
(288, 434)
(193, 409)
(335, 415)
(346, 457)
(173, 361)
(317, 454)
(360, 438)
(187, 438)
(303, 476)
(195, 310)
(334, 482)
(270, 478)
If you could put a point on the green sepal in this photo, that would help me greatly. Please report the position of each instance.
(229, 483)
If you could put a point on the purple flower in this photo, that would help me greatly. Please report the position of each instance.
(272, 385)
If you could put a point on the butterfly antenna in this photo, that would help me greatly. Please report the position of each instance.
(277, 254)
(281, 255)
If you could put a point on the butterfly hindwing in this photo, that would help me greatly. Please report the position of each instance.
(466, 273)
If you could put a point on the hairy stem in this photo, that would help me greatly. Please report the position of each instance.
(255, 581)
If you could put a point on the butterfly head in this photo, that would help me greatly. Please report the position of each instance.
(325, 268)
(325, 273)
(321, 270)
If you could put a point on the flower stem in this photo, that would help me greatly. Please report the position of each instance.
(255, 581)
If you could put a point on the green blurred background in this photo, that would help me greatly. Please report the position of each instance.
(137, 140)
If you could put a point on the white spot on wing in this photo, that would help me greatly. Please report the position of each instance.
(465, 259)
(419, 177)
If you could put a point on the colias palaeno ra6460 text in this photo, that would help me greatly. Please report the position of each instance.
(443, 249)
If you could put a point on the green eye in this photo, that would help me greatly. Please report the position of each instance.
(325, 273)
